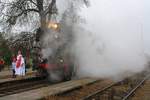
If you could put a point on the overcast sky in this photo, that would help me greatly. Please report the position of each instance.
(122, 9)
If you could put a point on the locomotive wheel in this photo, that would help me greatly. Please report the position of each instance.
(56, 76)
(69, 74)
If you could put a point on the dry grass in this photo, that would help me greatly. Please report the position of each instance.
(143, 93)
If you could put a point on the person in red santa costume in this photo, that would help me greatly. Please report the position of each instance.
(19, 64)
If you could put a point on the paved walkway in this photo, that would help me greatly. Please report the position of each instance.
(6, 75)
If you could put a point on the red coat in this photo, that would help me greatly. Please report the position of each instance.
(19, 61)
(2, 62)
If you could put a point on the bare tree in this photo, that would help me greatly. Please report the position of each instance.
(23, 11)
(24, 39)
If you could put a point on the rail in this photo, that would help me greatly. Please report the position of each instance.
(100, 91)
(21, 86)
(112, 90)
(134, 89)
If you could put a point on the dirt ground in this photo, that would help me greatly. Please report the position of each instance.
(143, 93)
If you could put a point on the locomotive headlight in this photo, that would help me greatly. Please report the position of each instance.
(61, 60)
(53, 25)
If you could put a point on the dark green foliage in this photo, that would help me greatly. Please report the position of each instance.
(5, 52)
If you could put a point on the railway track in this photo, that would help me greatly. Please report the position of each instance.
(54, 89)
(100, 91)
(131, 93)
(96, 90)
(13, 87)
(112, 92)
(105, 90)
(78, 93)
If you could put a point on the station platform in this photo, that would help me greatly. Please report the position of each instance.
(8, 73)
(49, 90)
(6, 76)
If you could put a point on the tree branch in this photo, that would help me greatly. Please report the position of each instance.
(50, 7)
(19, 7)
(40, 5)
(35, 10)
(33, 2)
(5, 3)
(23, 12)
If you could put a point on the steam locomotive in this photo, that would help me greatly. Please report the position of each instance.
(56, 70)
(58, 67)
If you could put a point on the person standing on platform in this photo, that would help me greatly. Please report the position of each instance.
(13, 67)
(23, 70)
(19, 64)
(2, 62)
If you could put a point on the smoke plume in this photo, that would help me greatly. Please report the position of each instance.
(105, 38)
(110, 42)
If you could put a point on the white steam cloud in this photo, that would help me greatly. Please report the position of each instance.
(110, 43)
